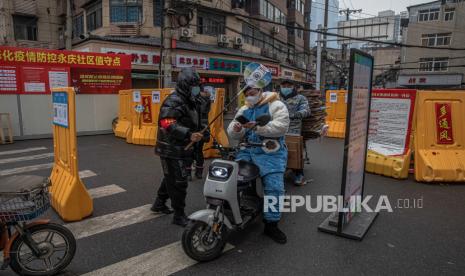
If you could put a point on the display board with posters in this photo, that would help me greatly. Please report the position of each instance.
(391, 121)
(36, 71)
(351, 221)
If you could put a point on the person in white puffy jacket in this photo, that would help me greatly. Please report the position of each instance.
(272, 165)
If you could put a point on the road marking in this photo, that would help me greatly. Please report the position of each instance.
(22, 150)
(105, 191)
(96, 225)
(161, 261)
(26, 169)
(86, 174)
(25, 158)
(82, 174)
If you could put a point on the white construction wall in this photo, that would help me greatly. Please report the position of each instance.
(31, 115)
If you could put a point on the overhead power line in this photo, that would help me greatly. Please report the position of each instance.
(342, 36)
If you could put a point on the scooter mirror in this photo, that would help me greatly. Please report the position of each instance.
(262, 120)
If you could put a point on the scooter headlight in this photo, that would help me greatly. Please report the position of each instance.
(220, 172)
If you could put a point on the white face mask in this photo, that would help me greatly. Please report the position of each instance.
(253, 100)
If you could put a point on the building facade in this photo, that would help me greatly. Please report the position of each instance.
(209, 34)
(436, 24)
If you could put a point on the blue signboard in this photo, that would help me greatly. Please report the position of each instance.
(60, 109)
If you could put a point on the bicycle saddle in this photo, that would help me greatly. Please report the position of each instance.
(22, 183)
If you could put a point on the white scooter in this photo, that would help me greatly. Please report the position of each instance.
(234, 199)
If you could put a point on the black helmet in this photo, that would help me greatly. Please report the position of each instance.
(187, 78)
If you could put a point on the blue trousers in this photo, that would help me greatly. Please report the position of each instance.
(273, 189)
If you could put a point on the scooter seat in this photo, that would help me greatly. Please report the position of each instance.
(248, 171)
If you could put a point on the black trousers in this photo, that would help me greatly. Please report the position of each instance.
(198, 156)
(174, 183)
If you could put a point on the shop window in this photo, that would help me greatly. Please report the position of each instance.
(125, 11)
(157, 12)
(25, 27)
(210, 23)
(94, 16)
(78, 25)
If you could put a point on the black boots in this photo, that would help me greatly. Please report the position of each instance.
(159, 206)
(272, 231)
(180, 218)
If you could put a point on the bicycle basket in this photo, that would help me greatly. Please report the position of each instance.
(24, 205)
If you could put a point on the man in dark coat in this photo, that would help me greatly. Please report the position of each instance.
(178, 125)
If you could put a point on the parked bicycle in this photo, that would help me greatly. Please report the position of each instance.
(39, 247)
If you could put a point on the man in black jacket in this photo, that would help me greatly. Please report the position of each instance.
(178, 125)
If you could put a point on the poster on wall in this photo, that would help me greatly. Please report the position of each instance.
(391, 121)
(99, 81)
(8, 79)
(35, 71)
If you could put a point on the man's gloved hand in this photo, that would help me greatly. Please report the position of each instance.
(206, 135)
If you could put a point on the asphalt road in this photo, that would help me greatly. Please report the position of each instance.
(130, 240)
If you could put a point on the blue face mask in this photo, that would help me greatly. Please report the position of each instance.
(286, 90)
(195, 91)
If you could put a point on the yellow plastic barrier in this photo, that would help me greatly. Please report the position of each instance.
(69, 196)
(217, 128)
(336, 108)
(124, 126)
(145, 123)
(440, 136)
(392, 166)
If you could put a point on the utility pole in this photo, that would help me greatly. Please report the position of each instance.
(323, 52)
(344, 46)
(307, 20)
(69, 26)
(318, 60)
(162, 46)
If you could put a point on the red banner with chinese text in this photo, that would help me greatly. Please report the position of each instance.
(147, 113)
(445, 134)
(36, 71)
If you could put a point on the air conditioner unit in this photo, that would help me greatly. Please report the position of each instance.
(223, 40)
(186, 33)
(275, 30)
(238, 41)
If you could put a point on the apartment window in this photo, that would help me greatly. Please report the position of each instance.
(433, 64)
(428, 15)
(271, 12)
(25, 27)
(122, 11)
(94, 16)
(78, 25)
(300, 5)
(157, 12)
(210, 23)
(449, 14)
(247, 33)
(300, 33)
(436, 39)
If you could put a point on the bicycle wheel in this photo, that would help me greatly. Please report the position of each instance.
(57, 245)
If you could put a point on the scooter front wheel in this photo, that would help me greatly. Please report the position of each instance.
(56, 244)
(199, 244)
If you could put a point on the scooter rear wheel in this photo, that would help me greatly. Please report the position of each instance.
(196, 245)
